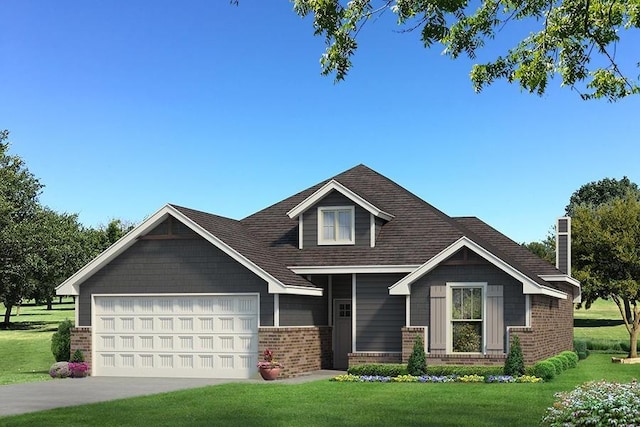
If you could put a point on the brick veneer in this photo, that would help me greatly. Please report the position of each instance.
(409, 334)
(81, 340)
(363, 358)
(299, 349)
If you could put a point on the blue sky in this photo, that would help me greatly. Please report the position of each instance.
(122, 107)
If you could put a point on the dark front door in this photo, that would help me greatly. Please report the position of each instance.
(341, 333)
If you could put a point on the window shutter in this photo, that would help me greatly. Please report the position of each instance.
(438, 320)
(495, 319)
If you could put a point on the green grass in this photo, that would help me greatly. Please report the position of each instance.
(25, 348)
(325, 403)
(601, 322)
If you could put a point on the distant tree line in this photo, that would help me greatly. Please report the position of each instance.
(39, 248)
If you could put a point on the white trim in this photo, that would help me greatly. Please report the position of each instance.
(560, 278)
(300, 233)
(336, 241)
(77, 312)
(335, 185)
(353, 313)
(529, 286)
(449, 328)
(407, 310)
(372, 230)
(276, 310)
(527, 309)
(348, 269)
(71, 285)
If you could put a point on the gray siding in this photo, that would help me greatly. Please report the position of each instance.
(303, 310)
(310, 221)
(174, 266)
(563, 253)
(379, 316)
(513, 302)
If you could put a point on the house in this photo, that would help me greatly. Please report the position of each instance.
(345, 272)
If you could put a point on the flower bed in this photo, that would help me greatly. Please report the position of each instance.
(350, 378)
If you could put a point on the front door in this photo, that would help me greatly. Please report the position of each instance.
(341, 333)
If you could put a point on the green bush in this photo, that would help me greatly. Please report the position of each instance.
(572, 357)
(417, 364)
(61, 341)
(380, 369)
(77, 357)
(558, 364)
(580, 347)
(464, 370)
(514, 365)
(544, 369)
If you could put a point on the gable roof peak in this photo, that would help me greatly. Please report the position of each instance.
(334, 185)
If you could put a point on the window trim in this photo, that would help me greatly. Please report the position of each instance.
(449, 325)
(325, 242)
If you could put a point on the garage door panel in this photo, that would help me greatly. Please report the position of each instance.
(179, 336)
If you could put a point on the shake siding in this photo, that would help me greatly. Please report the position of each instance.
(310, 221)
(174, 266)
(379, 316)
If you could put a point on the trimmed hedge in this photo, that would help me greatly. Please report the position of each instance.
(379, 369)
(465, 370)
(572, 357)
(398, 369)
(544, 369)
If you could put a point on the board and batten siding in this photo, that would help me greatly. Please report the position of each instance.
(174, 266)
(422, 303)
(379, 316)
(334, 198)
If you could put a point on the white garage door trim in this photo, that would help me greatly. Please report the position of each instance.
(175, 335)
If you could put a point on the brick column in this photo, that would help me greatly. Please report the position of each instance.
(81, 340)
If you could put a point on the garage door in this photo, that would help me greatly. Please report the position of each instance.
(206, 336)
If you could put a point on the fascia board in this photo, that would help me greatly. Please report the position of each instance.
(349, 269)
(335, 185)
(402, 287)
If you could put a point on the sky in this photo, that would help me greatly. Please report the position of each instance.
(121, 107)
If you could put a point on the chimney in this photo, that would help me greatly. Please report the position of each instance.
(563, 245)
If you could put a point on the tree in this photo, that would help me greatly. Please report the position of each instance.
(19, 191)
(606, 251)
(545, 249)
(597, 193)
(575, 39)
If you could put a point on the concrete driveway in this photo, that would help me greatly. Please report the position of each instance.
(31, 397)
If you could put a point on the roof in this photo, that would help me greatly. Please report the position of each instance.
(414, 232)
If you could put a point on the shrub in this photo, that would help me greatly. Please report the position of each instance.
(61, 341)
(417, 364)
(571, 357)
(557, 364)
(581, 349)
(564, 360)
(78, 369)
(596, 403)
(544, 369)
(60, 370)
(485, 371)
(77, 357)
(514, 365)
(379, 369)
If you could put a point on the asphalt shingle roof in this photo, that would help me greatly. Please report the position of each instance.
(417, 233)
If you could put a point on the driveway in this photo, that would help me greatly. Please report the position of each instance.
(31, 397)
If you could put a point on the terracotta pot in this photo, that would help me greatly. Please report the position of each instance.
(270, 374)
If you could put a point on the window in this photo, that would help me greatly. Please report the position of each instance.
(467, 312)
(336, 226)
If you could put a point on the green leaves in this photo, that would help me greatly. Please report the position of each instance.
(566, 38)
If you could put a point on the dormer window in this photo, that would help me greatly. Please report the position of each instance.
(336, 225)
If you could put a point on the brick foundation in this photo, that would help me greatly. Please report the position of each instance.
(364, 358)
(299, 349)
(81, 340)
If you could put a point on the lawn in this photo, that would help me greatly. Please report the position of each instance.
(25, 348)
(324, 403)
(601, 322)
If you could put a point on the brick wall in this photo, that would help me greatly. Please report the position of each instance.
(364, 358)
(409, 334)
(466, 359)
(81, 340)
(299, 349)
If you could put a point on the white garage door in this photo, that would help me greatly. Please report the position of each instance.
(206, 336)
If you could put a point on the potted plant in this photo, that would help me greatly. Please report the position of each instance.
(269, 368)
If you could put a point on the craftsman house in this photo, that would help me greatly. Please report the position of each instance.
(346, 272)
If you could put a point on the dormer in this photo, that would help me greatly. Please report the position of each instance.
(336, 216)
